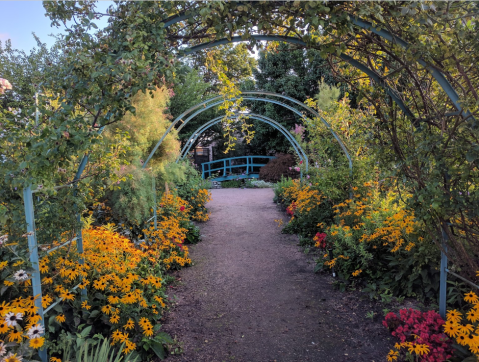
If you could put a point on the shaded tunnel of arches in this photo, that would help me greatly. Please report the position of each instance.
(439, 77)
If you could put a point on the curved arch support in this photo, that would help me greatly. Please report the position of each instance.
(299, 150)
(208, 106)
(360, 23)
(373, 75)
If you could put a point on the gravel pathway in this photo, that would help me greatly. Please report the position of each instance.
(252, 296)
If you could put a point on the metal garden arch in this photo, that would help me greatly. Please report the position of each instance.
(211, 103)
(297, 147)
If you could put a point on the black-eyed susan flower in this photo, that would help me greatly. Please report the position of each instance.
(454, 315)
(60, 318)
(419, 349)
(129, 325)
(37, 342)
(15, 335)
(461, 339)
(471, 297)
(451, 329)
(4, 327)
(466, 329)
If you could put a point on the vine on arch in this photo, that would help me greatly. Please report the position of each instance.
(235, 112)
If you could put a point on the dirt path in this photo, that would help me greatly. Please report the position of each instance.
(252, 296)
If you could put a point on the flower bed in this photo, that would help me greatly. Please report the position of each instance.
(123, 284)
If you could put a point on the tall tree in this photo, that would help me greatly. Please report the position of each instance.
(146, 126)
(26, 71)
(189, 90)
(237, 59)
(291, 72)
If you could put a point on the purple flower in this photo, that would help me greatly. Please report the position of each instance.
(307, 176)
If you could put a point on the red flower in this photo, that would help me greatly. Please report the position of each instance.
(290, 209)
(300, 162)
(182, 208)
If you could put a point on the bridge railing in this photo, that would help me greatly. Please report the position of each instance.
(226, 165)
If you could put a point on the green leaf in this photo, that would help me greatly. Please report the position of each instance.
(159, 350)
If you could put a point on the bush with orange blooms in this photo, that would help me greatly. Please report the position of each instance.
(375, 241)
(307, 207)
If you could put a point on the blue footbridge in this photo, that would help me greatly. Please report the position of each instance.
(234, 168)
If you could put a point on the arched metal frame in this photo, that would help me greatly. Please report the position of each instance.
(363, 24)
(297, 147)
(353, 62)
(205, 105)
(440, 78)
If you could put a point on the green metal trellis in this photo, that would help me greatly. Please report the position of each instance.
(34, 257)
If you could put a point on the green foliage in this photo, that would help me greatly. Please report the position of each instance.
(231, 184)
(79, 347)
(327, 95)
(131, 203)
(193, 235)
(279, 189)
(176, 173)
(146, 126)
(237, 59)
(189, 90)
(292, 72)
(26, 72)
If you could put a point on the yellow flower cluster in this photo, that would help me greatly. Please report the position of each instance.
(305, 197)
(169, 236)
(417, 348)
(123, 281)
(197, 202)
(380, 225)
(465, 329)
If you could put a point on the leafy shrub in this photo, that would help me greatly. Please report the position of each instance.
(308, 208)
(131, 203)
(261, 184)
(376, 241)
(231, 184)
(280, 187)
(420, 334)
(281, 166)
